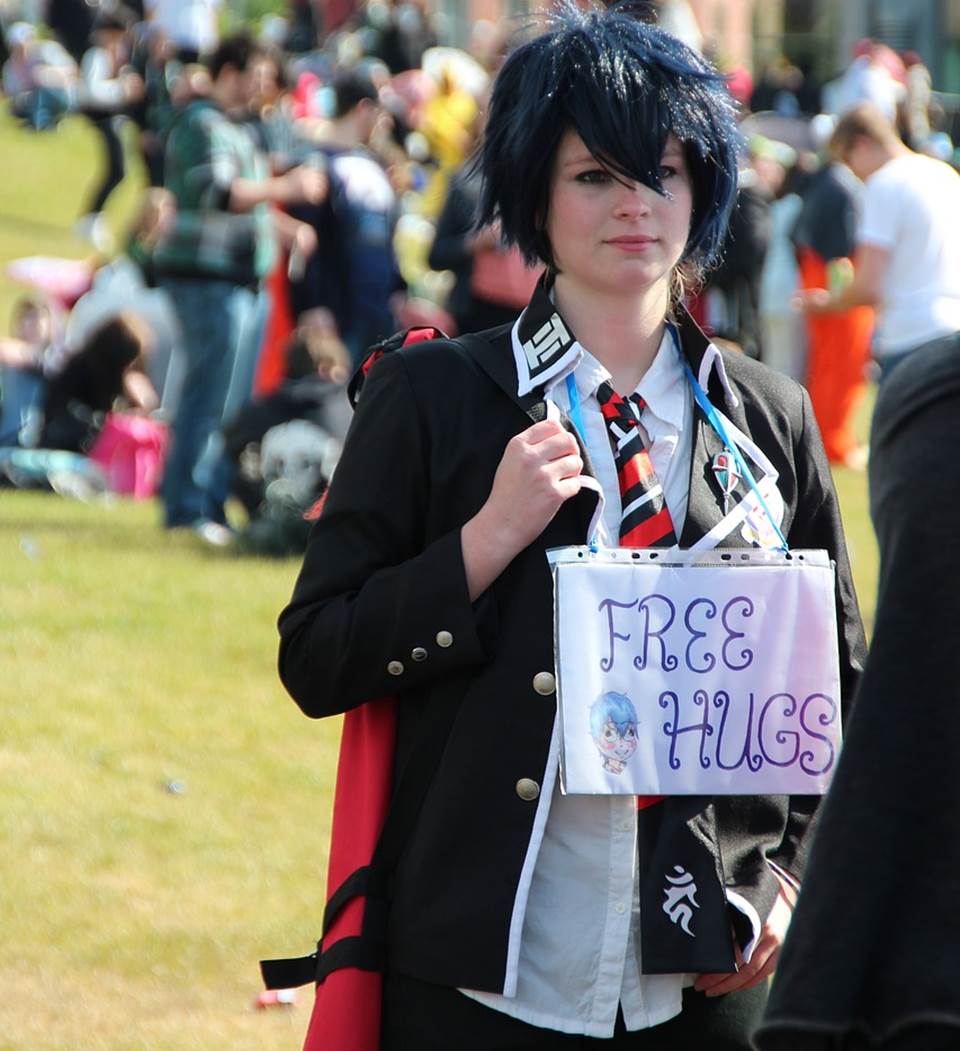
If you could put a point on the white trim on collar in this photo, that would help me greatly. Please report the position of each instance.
(713, 359)
(548, 353)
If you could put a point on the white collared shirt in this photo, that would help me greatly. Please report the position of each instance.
(574, 953)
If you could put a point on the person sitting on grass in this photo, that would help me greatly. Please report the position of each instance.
(285, 445)
(110, 367)
(24, 356)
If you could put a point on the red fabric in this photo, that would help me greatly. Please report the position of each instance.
(836, 363)
(647, 533)
(272, 367)
(421, 335)
(346, 1011)
(314, 512)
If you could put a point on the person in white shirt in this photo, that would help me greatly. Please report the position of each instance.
(191, 25)
(869, 78)
(109, 89)
(520, 916)
(908, 256)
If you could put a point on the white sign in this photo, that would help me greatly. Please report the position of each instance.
(713, 673)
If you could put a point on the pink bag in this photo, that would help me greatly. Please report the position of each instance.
(131, 450)
(501, 276)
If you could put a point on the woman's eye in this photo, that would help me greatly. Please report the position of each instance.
(594, 176)
(667, 171)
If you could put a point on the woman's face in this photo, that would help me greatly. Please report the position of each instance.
(612, 235)
(33, 325)
(264, 82)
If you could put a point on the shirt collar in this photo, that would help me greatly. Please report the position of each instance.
(663, 386)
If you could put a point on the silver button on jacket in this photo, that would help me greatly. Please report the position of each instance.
(418, 653)
(444, 639)
(544, 683)
(527, 790)
(395, 668)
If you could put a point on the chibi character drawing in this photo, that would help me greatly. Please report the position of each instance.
(613, 726)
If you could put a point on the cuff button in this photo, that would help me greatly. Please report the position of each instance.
(395, 668)
(444, 639)
(418, 653)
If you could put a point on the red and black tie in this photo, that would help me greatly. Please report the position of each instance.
(644, 517)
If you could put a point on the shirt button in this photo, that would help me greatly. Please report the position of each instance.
(418, 653)
(544, 683)
(620, 908)
(444, 639)
(395, 668)
(527, 790)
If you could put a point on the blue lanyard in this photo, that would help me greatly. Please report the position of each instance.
(713, 417)
(576, 414)
(716, 423)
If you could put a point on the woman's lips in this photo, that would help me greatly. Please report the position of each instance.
(632, 243)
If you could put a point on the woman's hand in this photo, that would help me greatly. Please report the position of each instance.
(762, 963)
(539, 470)
(813, 301)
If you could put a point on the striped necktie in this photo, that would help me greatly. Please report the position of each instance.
(644, 518)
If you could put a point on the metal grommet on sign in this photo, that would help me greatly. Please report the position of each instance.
(395, 668)
(544, 683)
(527, 790)
(418, 653)
(444, 639)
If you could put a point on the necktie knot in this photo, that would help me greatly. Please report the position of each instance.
(616, 408)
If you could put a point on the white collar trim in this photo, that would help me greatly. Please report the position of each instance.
(713, 360)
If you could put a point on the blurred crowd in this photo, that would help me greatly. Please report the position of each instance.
(309, 193)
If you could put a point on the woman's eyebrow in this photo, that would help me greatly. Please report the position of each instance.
(581, 158)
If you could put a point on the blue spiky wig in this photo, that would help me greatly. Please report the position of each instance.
(624, 86)
(612, 707)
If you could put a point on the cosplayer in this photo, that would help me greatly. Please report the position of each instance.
(520, 917)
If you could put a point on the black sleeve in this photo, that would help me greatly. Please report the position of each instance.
(818, 525)
(373, 590)
(449, 250)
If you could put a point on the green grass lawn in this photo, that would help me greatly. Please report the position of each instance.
(46, 183)
(133, 916)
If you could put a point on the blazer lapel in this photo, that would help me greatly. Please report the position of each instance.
(494, 357)
(706, 505)
(705, 499)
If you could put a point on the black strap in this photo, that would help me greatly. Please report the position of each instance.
(289, 974)
(366, 954)
(356, 884)
(359, 952)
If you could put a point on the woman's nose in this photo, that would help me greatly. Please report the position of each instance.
(633, 199)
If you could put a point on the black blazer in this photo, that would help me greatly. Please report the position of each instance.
(381, 607)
